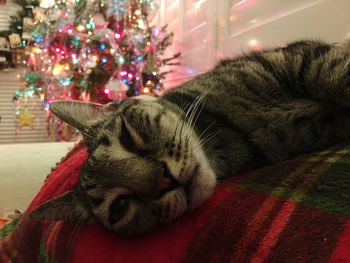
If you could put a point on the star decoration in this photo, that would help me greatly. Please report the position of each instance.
(26, 119)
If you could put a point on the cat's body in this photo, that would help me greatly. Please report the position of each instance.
(153, 158)
(270, 106)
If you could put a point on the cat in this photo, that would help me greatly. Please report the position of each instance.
(151, 159)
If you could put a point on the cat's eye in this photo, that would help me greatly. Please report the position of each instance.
(145, 153)
(129, 142)
(118, 208)
(104, 141)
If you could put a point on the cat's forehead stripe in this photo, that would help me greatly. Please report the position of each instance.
(114, 152)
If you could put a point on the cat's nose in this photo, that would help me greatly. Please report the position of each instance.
(166, 182)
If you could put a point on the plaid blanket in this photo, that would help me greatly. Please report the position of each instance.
(295, 211)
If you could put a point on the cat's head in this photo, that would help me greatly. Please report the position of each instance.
(146, 166)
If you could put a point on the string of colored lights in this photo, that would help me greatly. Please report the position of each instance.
(100, 51)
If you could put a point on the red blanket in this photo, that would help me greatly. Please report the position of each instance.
(296, 211)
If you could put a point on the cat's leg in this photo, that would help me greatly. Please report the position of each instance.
(323, 72)
(329, 76)
(306, 69)
(305, 127)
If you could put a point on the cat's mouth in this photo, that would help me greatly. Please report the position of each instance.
(175, 202)
(198, 188)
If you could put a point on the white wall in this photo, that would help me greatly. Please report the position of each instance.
(23, 169)
(207, 30)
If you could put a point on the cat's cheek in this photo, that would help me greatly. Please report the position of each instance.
(201, 188)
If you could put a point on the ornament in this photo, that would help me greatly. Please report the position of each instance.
(82, 10)
(4, 44)
(39, 15)
(100, 21)
(26, 119)
(15, 40)
(149, 84)
(117, 8)
(28, 24)
(53, 16)
(58, 69)
(151, 65)
(27, 36)
(30, 76)
(90, 25)
(47, 3)
(116, 85)
(92, 63)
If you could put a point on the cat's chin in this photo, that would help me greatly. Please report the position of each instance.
(200, 187)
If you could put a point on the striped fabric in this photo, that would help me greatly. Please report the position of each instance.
(295, 211)
(3, 221)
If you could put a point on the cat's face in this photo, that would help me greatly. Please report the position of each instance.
(146, 166)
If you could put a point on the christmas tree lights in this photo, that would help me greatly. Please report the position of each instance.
(99, 51)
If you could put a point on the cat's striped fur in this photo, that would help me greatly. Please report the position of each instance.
(151, 159)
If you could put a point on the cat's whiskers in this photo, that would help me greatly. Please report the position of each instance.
(196, 111)
(206, 139)
(186, 120)
(193, 117)
(201, 141)
(188, 114)
(187, 125)
(179, 113)
(174, 205)
(187, 109)
(87, 135)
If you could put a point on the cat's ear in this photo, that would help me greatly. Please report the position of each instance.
(81, 115)
(67, 207)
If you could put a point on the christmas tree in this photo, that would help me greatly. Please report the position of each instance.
(15, 37)
(98, 51)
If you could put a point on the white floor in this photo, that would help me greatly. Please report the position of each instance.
(23, 168)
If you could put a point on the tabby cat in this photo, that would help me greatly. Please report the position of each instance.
(151, 159)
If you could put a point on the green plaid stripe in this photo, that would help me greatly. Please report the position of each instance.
(7, 229)
(321, 181)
